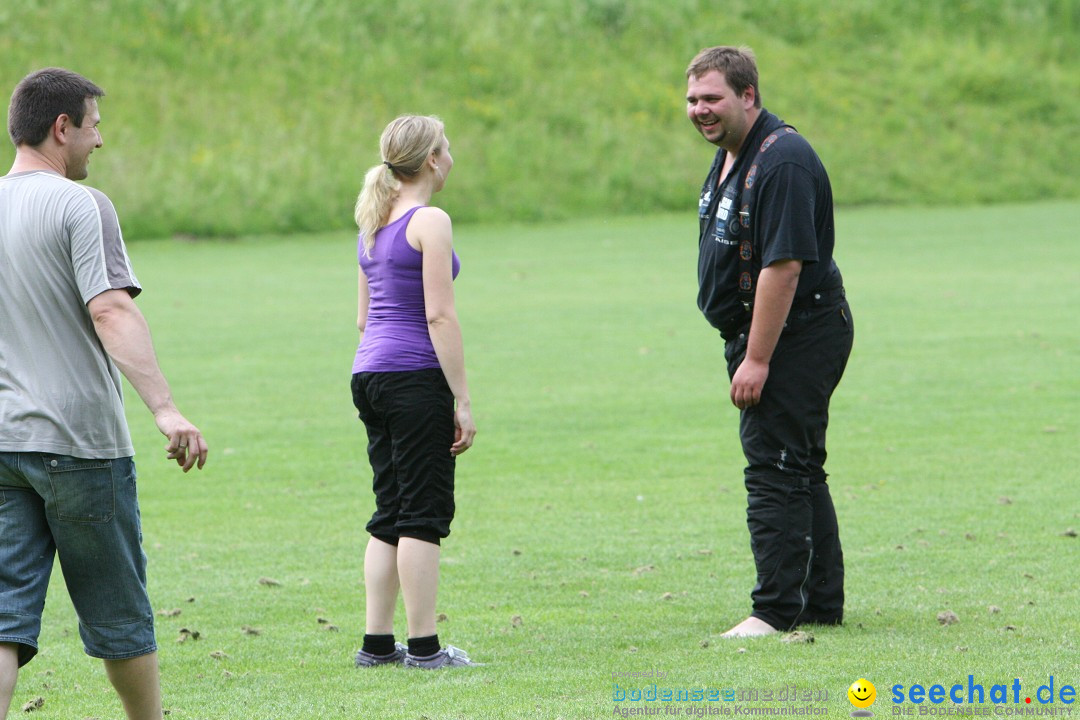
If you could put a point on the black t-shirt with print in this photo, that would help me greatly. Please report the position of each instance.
(775, 204)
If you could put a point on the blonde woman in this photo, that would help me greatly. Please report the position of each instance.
(409, 387)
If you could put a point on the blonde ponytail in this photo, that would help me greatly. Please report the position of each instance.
(373, 203)
(405, 144)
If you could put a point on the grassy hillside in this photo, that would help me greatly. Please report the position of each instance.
(239, 116)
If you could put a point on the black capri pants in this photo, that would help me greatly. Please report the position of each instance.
(409, 418)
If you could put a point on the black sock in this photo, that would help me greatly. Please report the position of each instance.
(424, 646)
(378, 644)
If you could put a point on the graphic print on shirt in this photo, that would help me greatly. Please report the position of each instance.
(727, 228)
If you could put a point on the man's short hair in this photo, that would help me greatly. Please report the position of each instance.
(738, 65)
(43, 96)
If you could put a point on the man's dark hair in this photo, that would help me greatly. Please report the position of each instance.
(43, 96)
(738, 65)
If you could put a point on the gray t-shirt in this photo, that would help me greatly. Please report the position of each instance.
(60, 245)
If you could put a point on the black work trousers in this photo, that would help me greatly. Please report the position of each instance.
(790, 514)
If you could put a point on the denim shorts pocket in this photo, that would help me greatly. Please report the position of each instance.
(82, 489)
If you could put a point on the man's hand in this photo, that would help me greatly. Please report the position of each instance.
(125, 335)
(186, 444)
(748, 383)
(772, 303)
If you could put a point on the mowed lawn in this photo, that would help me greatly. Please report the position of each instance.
(601, 518)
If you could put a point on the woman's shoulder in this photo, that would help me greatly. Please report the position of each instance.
(430, 215)
(429, 227)
(430, 223)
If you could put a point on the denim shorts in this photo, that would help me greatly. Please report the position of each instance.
(87, 513)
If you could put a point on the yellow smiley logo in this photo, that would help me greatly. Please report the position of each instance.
(862, 693)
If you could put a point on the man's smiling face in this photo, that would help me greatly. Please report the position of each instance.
(719, 113)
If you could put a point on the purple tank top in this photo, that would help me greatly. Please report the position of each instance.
(396, 336)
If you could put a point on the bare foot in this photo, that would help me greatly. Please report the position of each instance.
(750, 627)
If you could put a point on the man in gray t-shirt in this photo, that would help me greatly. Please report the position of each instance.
(68, 328)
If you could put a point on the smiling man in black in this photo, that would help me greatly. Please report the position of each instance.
(768, 283)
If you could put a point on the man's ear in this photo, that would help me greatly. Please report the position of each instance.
(60, 127)
(749, 96)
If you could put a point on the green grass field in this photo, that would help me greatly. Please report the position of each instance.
(601, 524)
